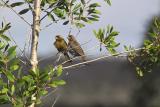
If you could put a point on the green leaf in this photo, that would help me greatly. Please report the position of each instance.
(108, 2)
(79, 25)
(20, 83)
(42, 92)
(95, 16)
(6, 47)
(57, 83)
(116, 45)
(16, 4)
(12, 89)
(24, 11)
(7, 26)
(139, 72)
(2, 45)
(94, 5)
(5, 37)
(29, 1)
(95, 32)
(126, 48)
(38, 101)
(59, 70)
(44, 76)
(76, 8)
(66, 22)
(52, 1)
(14, 67)
(32, 88)
(4, 99)
(11, 52)
(1, 81)
(92, 18)
(51, 70)
(114, 33)
(84, 19)
(83, 2)
(28, 78)
(96, 12)
(43, 3)
(10, 76)
(2, 24)
(4, 90)
(152, 34)
(14, 61)
(108, 28)
(111, 29)
(111, 50)
(59, 13)
(2, 63)
(51, 16)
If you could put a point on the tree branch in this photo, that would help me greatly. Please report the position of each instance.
(100, 58)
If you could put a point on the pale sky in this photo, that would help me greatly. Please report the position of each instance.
(129, 17)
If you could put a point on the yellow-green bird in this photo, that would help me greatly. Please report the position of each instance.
(74, 48)
(61, 46)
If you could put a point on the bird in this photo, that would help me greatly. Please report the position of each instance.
(61, 46)
(74, 48)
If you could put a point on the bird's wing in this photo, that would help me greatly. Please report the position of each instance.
(77, 48)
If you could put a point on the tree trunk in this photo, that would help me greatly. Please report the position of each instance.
(35, 36)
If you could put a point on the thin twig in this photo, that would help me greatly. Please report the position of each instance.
(17, 13)
(15, 42)
(77, 57)
(53, 91)
(25, 45)
(55, 100)
(99, 58)
(29, 43)
(46, 15)
(70, 30)
(59, 57)
(22, 51)
(78, 32)
(49, 25)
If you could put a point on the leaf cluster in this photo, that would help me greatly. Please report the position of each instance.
(149, 57)
(17, 87)
(107, 37)
(75, 12)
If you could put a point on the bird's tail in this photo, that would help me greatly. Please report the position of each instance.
(83, 58)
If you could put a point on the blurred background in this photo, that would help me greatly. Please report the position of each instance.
(106, 83)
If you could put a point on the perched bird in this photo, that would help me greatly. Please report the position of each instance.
(74, 48)
(61, 46)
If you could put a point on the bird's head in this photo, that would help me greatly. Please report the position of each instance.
(71, 38)
(58, 37)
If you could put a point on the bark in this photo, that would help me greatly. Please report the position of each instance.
(35, 37)
(35, 34)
